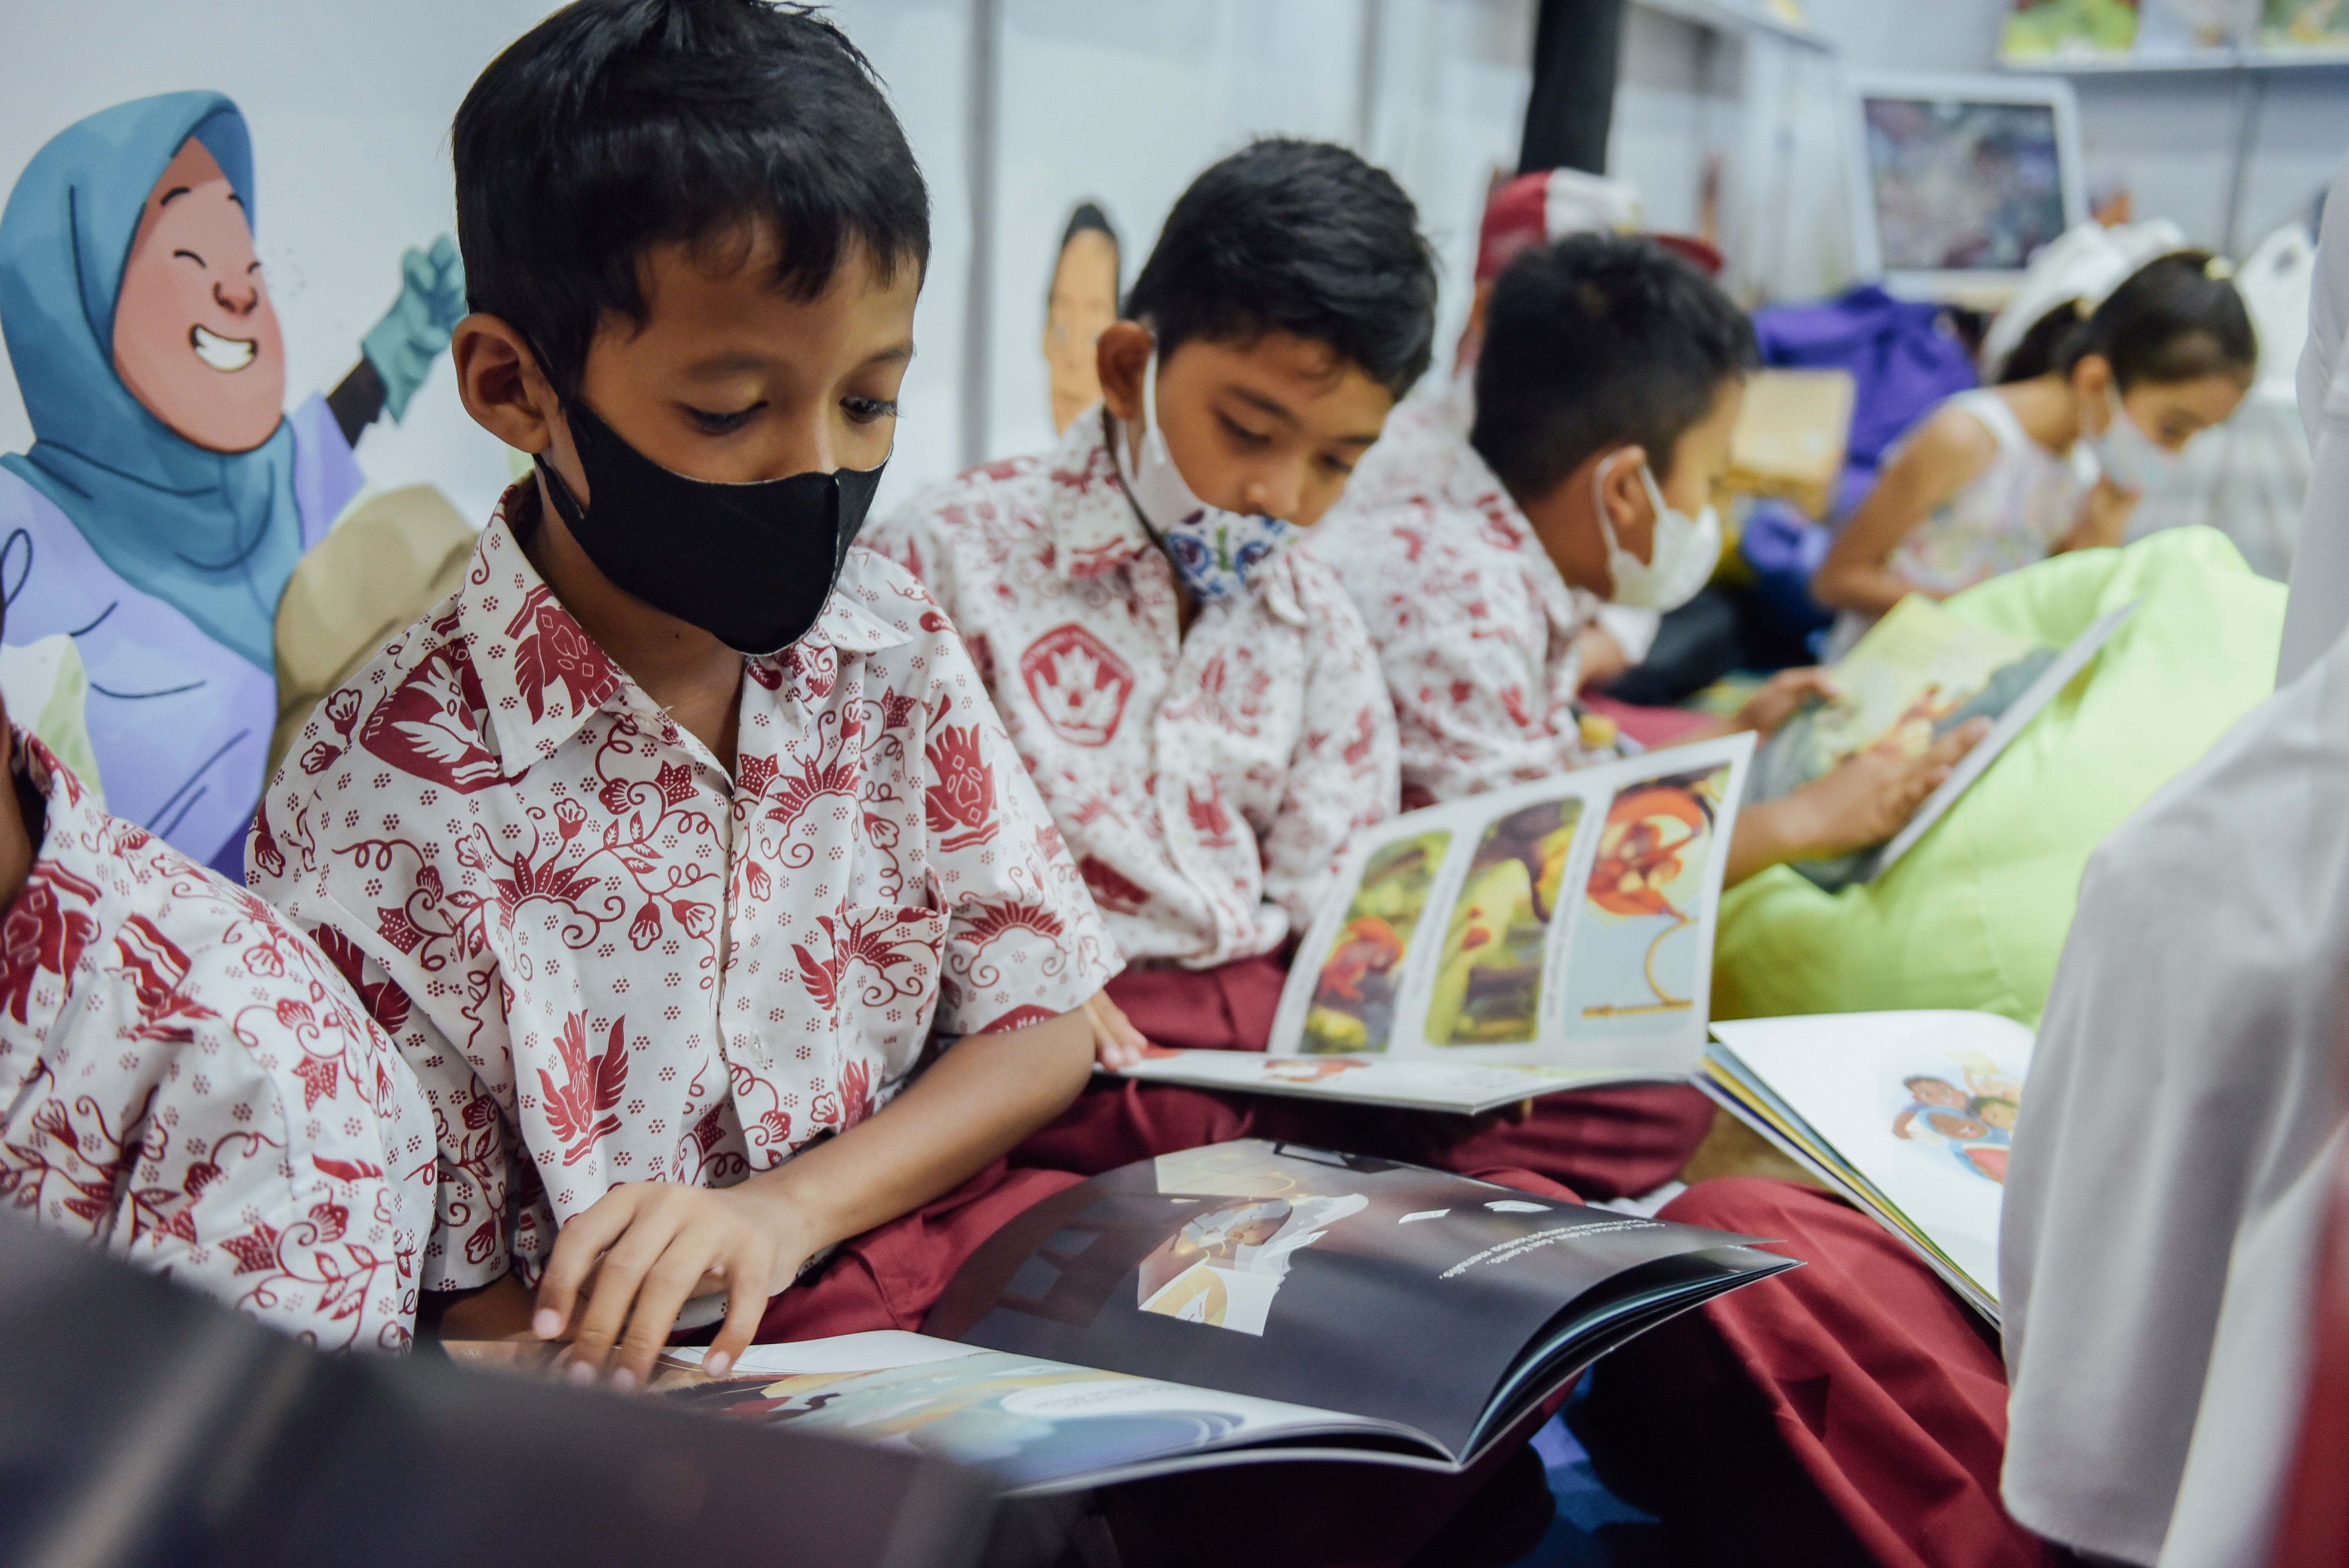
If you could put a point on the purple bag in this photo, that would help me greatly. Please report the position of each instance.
(1901, 353)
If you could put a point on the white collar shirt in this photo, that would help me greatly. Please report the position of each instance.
(628, 965)
(1476, 629)
(1207, 782)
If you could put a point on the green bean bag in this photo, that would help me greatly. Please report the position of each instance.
(1975, 914)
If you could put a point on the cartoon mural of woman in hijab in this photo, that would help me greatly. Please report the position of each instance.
(167, 495)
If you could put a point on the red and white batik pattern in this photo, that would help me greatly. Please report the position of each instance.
(625, 965)
(189, 1084)
(1474, 628)
(1208, 784)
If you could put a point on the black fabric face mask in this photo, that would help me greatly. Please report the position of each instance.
(751, 564)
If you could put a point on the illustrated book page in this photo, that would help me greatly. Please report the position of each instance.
(1911, 1114)
(1567, 922)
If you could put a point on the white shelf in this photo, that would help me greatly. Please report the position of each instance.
(1734, 17)
(2201, 60)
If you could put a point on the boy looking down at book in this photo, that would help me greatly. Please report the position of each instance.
(188, 1085)
(1609, 386)
(1199, 705)
(726, 929)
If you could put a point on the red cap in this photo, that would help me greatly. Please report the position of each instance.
(1515, 220)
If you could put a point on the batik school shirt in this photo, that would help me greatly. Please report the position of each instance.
(1474, 628)
(1207, 783)
(188, 1085)
(619, 961)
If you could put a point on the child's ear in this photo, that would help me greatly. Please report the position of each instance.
(1121, 357)
(2091, 378)
(1621, 490)
(501, 383)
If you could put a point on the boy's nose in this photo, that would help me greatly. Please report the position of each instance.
(1279, 494)
(235, 302)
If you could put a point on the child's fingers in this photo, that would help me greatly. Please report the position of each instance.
(667, 1287)
(1949, 747)
(746, 1303)
(612, 1298)
(577, 1247)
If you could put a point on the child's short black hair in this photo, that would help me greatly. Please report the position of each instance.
(617, 125)
(2177, 318)
(1596, 340)
(1300, 237)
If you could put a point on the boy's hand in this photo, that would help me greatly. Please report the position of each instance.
(1116, 1042)
(1781, 695)
(623, 1270)
(1870, 796)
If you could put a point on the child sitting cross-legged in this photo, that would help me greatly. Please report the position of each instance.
(726, 927)
(188, 1085)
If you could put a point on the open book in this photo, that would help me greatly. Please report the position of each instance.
(1910, 1115)
(1918, 672)
(1241, 1303)
(1548, 936)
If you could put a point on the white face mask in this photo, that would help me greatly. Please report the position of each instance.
(1681, 558)
(2131, 458)
(1213, 550)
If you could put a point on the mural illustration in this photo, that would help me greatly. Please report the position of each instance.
(1082, 302)
(167, 496)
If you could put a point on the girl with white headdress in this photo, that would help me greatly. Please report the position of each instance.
(1998, 478)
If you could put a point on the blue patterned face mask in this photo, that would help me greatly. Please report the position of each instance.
(1213, 550)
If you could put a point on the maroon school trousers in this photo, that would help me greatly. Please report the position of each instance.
(1602, 1143)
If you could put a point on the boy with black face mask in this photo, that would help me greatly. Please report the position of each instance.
(726, 927)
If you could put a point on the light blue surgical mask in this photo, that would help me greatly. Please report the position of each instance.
(2131, 458)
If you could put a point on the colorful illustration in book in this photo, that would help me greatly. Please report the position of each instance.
(1973, 1121)
(1918, 672)
(1081, 303)
(1646, 886)
(168, 495)
(1353, 1005)
(1224, 1267)
(1488, 973)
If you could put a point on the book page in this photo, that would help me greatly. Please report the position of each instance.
(1418, 1083)
(1336, 1282)
(1920, 1105)
(1918, 672)
(1568, 921)
(1035, 1425)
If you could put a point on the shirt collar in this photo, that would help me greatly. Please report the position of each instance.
(1093, 521)
(543, 675)
(69, 808)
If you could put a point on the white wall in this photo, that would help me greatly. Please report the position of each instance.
(1119, 100)
(2169, 140)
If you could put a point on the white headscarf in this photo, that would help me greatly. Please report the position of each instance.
(2168, 1171)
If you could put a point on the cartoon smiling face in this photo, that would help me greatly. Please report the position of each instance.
(195, 338)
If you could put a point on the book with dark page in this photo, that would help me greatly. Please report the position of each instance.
(1243, 1302)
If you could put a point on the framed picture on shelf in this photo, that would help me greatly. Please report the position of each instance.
(1957, 181)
